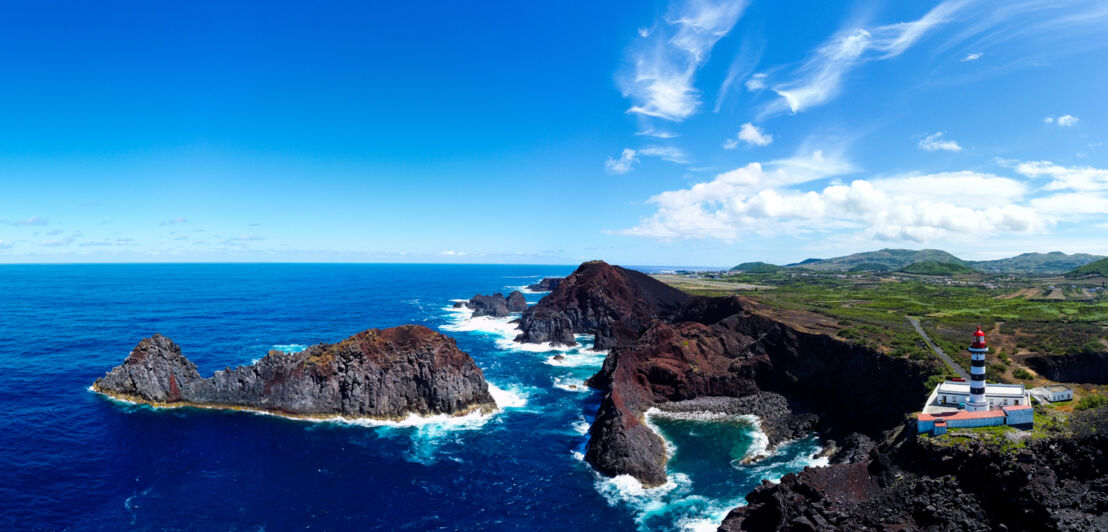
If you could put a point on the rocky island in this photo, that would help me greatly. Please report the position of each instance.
(545, 285)
(379, 373)
(495, 305)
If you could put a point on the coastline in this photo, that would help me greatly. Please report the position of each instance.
(475, 412)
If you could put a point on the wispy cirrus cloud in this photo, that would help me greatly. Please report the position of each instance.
(665, 60)
(972, 57)
(174, 221)
(34, 220)
(936, 142)
(672, 154)
(821, 77)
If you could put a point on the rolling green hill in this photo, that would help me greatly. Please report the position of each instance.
(890, 258)
(757, 267)
(931, 267)
(1098, 268)
(1043, 263)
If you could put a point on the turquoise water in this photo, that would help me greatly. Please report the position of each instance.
(74, 460)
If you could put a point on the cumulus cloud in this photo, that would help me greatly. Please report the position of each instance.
(622, 165)
(174, 221)
(1079, 178)
(912, 208)
(1063, 121)
(821, 77)
(750, 134)
(936, 142)
(972, 57)
(664, 62)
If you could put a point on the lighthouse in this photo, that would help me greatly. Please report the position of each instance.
(977, 401)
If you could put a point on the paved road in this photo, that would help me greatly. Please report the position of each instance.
(946, 358)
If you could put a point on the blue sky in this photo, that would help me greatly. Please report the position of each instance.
(668, 133)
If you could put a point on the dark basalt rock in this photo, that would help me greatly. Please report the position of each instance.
(385, 374)
(495, 305)
(610, 302)
(1051, 484)
(516, 302)
(546, 285)
(1087, 367)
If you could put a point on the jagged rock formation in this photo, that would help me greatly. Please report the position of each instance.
(1059, 483)
(378, 373)
(725, 348)
(1084, 367)
(610, 302)
(495, 305)
(546, 285)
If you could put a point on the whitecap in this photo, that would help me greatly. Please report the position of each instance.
(581, 426)
(513, 397)
(570, 384)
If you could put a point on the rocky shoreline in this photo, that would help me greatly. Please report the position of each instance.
(386, 374)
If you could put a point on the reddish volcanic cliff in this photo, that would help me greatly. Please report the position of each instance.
(610, 302)
(384, 374)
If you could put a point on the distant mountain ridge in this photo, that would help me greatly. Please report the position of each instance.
(1054, 262)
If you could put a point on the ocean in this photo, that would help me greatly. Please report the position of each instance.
(74, 460)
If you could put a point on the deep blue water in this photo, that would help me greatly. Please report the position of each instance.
(72, 459)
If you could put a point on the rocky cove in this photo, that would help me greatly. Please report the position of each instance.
(674, 352)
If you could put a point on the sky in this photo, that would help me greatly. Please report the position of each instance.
(682, 133)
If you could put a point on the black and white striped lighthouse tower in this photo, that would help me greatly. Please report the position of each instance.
(977, 401)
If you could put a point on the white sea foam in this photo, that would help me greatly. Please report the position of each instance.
(288, 348)
(570, 384)
(513, 397)
(581, 426)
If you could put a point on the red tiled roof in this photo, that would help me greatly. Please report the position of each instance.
(963, 415)
(1015, 407)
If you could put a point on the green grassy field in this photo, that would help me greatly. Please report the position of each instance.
(872, 307)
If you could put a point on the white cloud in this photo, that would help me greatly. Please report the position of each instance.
(821, 77)
(34, 220)
(750, 134)
(449, 253)
(972, 57)
(1063, 121)
(756, 82)
(58, 242)
(664, 63)
(5, 244)
(622, 165)
(935, 142)
(1079, 178)
(665, 153)
(656, 133)
(909, 208)
(175, 221)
